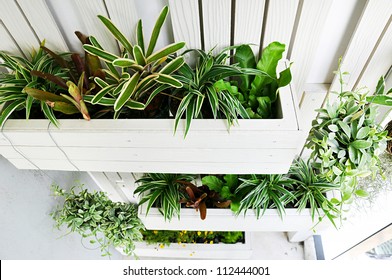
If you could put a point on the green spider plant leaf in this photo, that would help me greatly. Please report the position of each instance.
(155, 93)
(139, 35)
(181, 109)
(101, 83)
(7, 111)
(173, 65)
(127, 91)
(112, 69)
(139, 56)
(190, 113)
(102, 93)
(157, 29)
(104, 55)
(135, 105)
(29, 104)
(170, 49)
(48, 112)
(123, 62)
(117, 33)
(166, 79)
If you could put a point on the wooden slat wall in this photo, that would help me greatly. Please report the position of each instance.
(43, 23)
(280, 22)
(14, 21)
(374, 19)
(313, 15)
(248, 23)
(217, 24)
(89, 10)
(186, 22)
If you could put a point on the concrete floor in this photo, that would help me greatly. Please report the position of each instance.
(27, 229)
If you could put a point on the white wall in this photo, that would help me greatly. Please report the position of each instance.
(27, 230)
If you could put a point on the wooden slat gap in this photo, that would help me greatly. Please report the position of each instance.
(27, 21)
(201, 24)
(264, 27)
(12, 38)
(295, 29)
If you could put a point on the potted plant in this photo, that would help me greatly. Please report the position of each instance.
(293, 202)
(144, 80)
(98, 219)
(197, 244)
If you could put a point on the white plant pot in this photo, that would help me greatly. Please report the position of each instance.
(226, 220)
(196, 251)
(148, 145)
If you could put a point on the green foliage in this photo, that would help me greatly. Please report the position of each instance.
(162, 191)
(167, 236)
(93, 214)
(261, 192)
(346, 140)
(261, 92)
(206, 93)
(13, 85)
(138, 75)
(310, 190)
(225, 186)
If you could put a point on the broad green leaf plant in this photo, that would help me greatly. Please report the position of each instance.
(140, 73)
(95, 217)
(260, 92)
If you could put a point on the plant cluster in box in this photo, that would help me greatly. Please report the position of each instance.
(141, 82)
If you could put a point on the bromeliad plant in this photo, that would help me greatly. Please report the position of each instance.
(93, 214)
(143, 73)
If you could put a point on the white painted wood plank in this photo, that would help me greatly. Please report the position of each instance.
(89, 10)
(125, 139)
(17, 25)
(310, 26)
(216, 24)
(380, 62)
(7, 43)
(280, 22)
(249, 23)
(113, 177)
(106, 186)
(181, 167)
(156, 154)
(43, 23)
(129, 186)
(124, 15)
(186, 22)
(374, 18)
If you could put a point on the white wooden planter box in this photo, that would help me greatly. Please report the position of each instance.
(148, 145)
(226, 220)
(197, 251)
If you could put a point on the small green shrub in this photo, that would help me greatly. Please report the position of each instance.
(92, 214)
